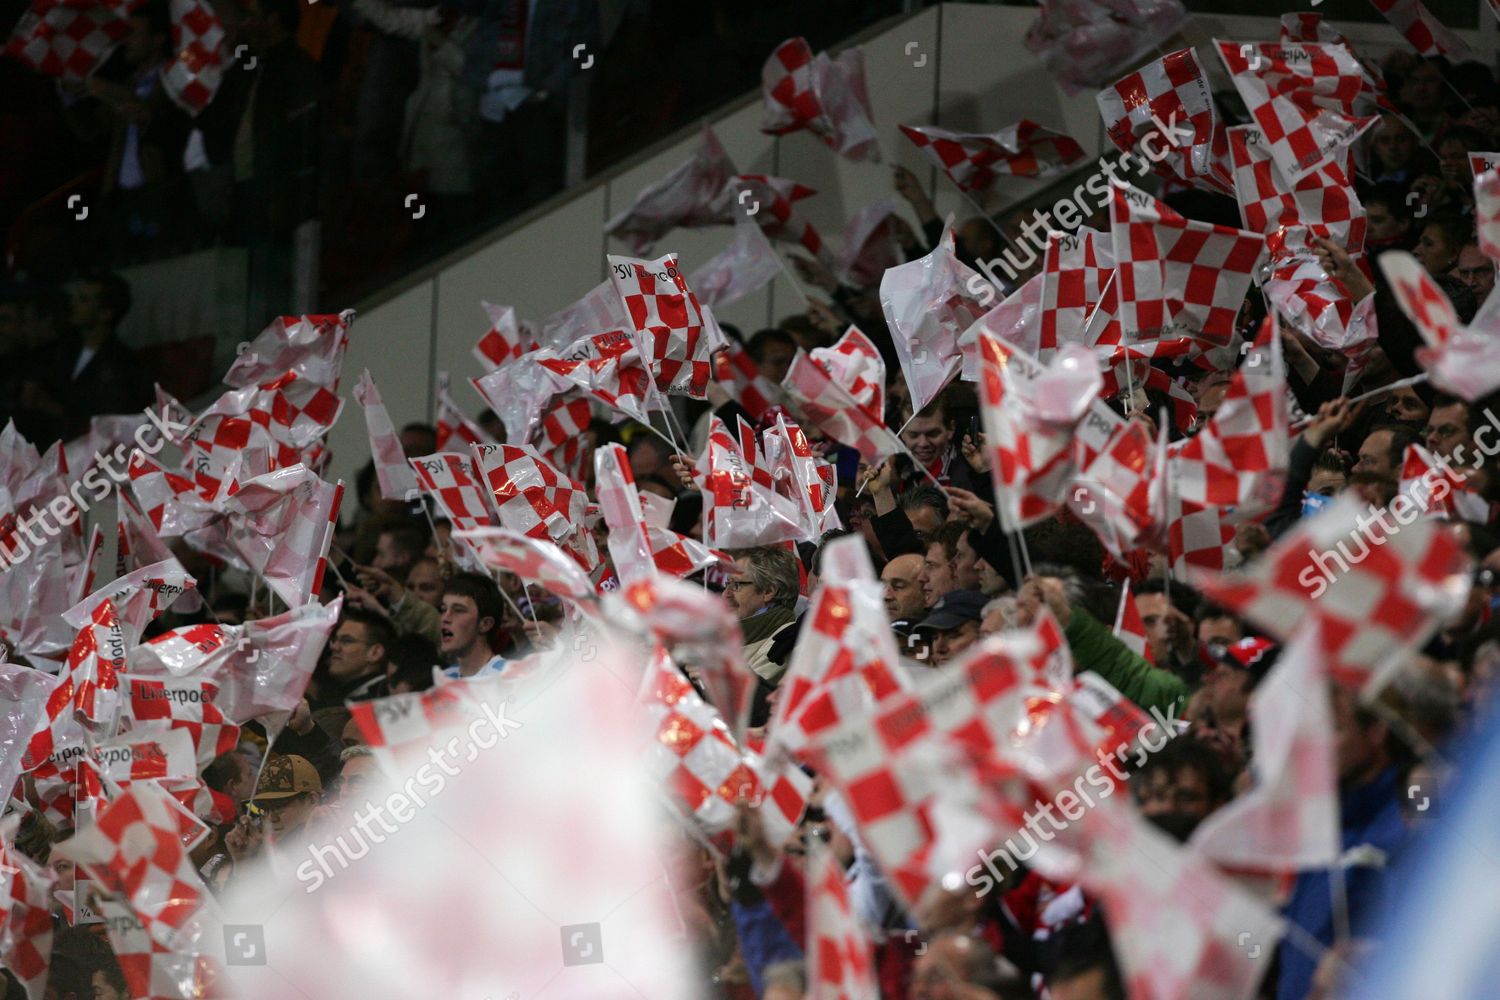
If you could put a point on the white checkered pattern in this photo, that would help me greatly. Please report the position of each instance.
(26, 928)
(620, 379)
(1461, 360)
(1159, 98)
(1114, 496)
(777, 216)
(840, 963)
(928, 304)
(824, 95)
(1289, 820)
(1307, 26)
(1311, 101)
(186, 704)
(506, 340)
(453, 427)
(742, 508)
(666, 312)
(1426, 33)
(295, 411)
(841, 391)
(744, 382)
(69, 40)
(1173, 277)
(1075, 270)
(313, 347)
(282, 524)
(395, 476)
(630, 546)
(973, 160)
(1438, 490)
(812, 483)
(1373, 610)
(193, 76)
(151, 970)
(96, 661)
(450, 479)
(136, 849)
(526, 493)
(1322, 203)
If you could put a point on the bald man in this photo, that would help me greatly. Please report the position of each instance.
(903, 588)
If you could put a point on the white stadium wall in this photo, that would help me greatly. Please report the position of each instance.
(961, 66)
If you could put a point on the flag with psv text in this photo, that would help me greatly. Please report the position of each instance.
(196, 69)
(973, 160)
(1289, 819)
(928, 304)
(1170, 99)
(1075, 270)
(1311, 101)
(1379, 582)
(825, 95)
(670, 320)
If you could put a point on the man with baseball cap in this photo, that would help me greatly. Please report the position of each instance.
(953, 624)
(288, 791)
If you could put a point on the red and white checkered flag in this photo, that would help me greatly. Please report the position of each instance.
(667, 315)
(535, 561)
(312, 347)
(746, 265)
(812, 483)
(1119, 493)
(69, 38)
(742, 508)
(739, 376)
(617, 376)
(1129, 628)
(1378, 589)
(826, 96)
(840, 962)
(153, 971)
(928, 303)
(770, 202)
(1322, 203)
(135, 849)
(1086, 43)
(869, 244)
(454, 429)
(186, 704)
(1029, 426)
(1487, 210)
(1170, 99)
(193, 76)
(1426, 33)
(1289, 819)
(1239, 458)
(451, 480)
(841, 391)
(506, 340)
(690, 196)
(1075, 270)
(1460, 359)
(26, 929)
(973, 160)
(294, 410)
(1307, 26)
(96, 662)
(395, 477)
(527, 493)
(1310, 101)
(1174, 278)
(282, 524)
(1439, 490)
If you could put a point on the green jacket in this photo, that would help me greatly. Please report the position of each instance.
(1096, 648)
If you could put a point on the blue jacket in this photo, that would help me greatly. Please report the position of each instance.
(763, 939)
(1371, 816)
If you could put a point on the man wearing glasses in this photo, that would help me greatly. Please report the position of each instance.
(763, 594)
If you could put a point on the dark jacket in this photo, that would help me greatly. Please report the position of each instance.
(112, 382)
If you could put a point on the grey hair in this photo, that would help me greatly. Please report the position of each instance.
(1071, 581)
(358, 750)
(771, 568)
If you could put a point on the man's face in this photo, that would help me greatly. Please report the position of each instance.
(927, 437)
(966, 566)
(1453, 158)
(1188, 790)
(742, 596)
(1407, 408)
(351, 736)
(461, 626)
(937, 574)
(351, 654)
(1381, 224)
(1223, 631)
(948, 646)
(242, 788)
(1476, 270)
(1375, 455)
(1153, 792)
(940, 973)
(775, 359)
(903, 589)
(924, 521)
(289, 815)
(416, 442)
(425, 581)
(1228, 693)
(88, 311)
(1446, 429)
(1394, 143)
(1154, 616)
(389, 556)
(1423, 89)
(358, 774)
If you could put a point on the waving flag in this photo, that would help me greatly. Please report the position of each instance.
(391, 471)
(840, 963)
(812, 483)
(745, 266)
(689, 196)
(1322, 203)
(193, 76)
(1029, 426)
(667, 314)
(1118, 494)
(841, 391)
(507, 339)
(1460, 359)
(740, 377)
(741, 507)
(527, 492)
(1439, 490)
(973, 160)
(1310, 101)
(1075, 270)
(826, 96)
(1289, 819)
(927, 304)
(312, 347)
(452, 425)
(1129, 628)
(282, 525)
(26, 929)
(1426, 33)
(69, 39)
(451, 480)
(1378, 589)
(1174, 278)
(534, 561)
(771, 202)
(1307, 26)
(1159, 99)
(608, 368)
(1086, 43)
